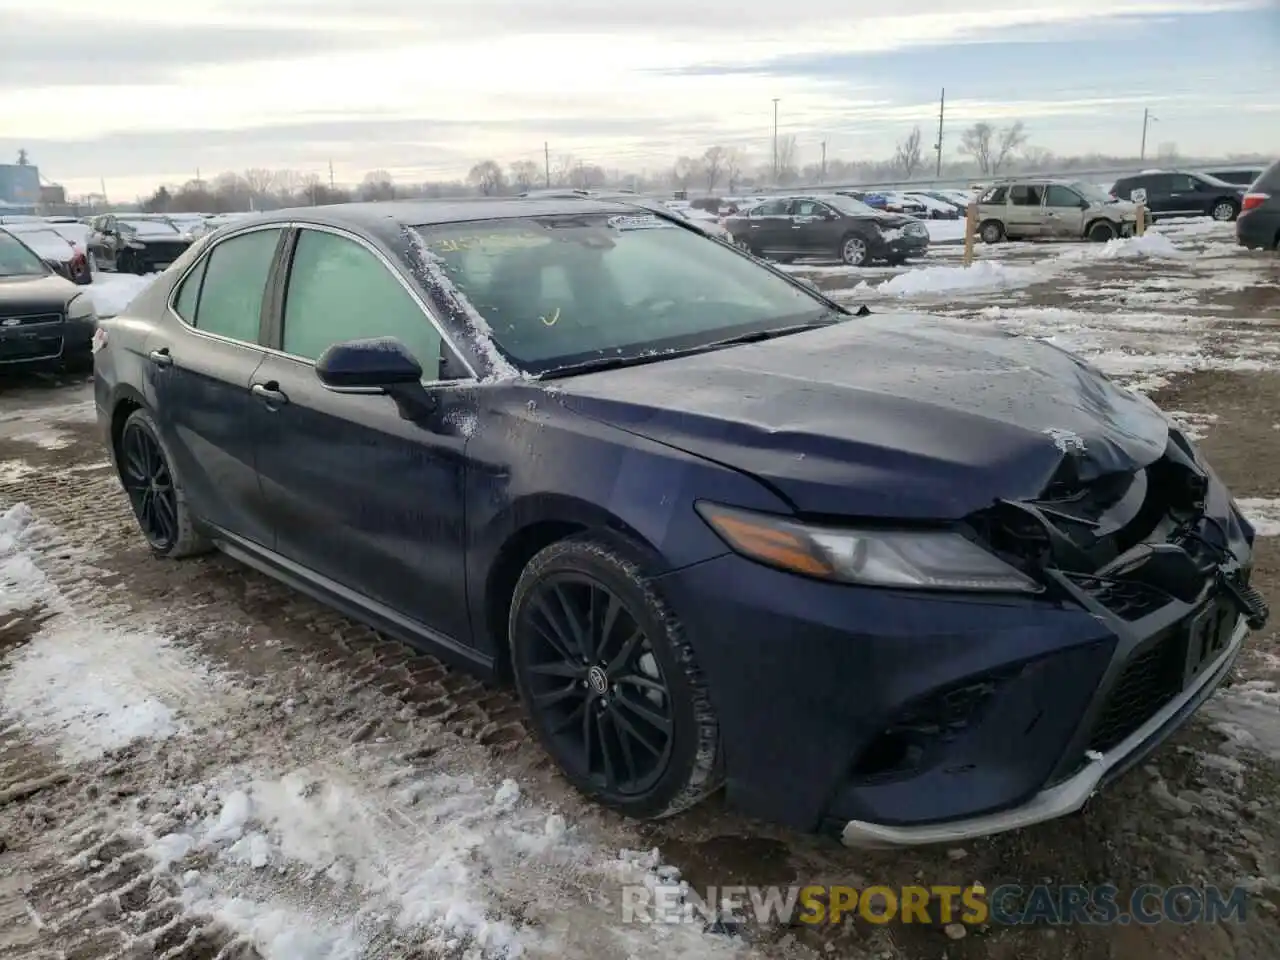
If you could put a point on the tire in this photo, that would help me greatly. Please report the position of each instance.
(561, 577)
(1101, 231)
(1224, 211)
(991, 231)
(184, 540)
(854, 251)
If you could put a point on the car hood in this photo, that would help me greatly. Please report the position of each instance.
(900, 416)
(19, 295)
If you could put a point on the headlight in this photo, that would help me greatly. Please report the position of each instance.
(912, 559)
(81, 308)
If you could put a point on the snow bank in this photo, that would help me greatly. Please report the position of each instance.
(945, 231)
(1151, 246)
(1263, 513)
(982, 275)
(113, 292)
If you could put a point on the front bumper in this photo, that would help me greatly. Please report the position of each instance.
(48, 341)
(1069, 795)
(903, 246)
(895, 717)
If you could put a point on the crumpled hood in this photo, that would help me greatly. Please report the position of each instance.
(901, 415)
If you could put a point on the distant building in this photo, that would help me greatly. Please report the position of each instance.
(19, 184)
(53, 194)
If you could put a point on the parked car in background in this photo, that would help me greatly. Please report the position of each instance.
(888, 201)
(882, 577)
(128, 243)
(1039, 209)
(1175, 193)
(1239, 176)
(51, 243)
(1258, 225)
(827, 226)
(44, 318)
(936, 208)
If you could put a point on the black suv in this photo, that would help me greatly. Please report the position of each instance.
(827, 226)
(1259, 223)
(1174, 193)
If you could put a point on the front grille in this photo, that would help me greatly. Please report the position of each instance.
(164, 251)
(30, 318)
(34, 348)
(1127, 599)
(1149, 681)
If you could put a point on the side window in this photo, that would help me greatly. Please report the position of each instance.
(339, 291)
(1161, 183)
(184, 305)
(1180, 183)
(809, 208)
(995, 195)
(234, 281)
(1026, 195)
(1060, 196)
(774, 208)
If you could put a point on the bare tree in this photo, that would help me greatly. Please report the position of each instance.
(787, 150)
(713, 162)
(733, 162)
(259, 181)
(377, 185)
(486, 176)
(1011, 138)
(524, 174)
(1037, 158)
(562, 170)
(907, 156)
(976, 142)
(685, 171)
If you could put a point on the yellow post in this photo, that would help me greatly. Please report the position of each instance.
(1142, 219)
(970, 230)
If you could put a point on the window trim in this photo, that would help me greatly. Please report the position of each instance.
(285, 266)
(171, 300)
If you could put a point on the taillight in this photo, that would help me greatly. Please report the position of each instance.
(79, 265)
(1253, 200)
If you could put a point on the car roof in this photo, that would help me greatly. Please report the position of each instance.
(387, 217)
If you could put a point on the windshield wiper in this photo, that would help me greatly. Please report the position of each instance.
(758, 335)
(607, 363)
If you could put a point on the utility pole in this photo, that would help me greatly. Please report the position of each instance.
(775, 140)
(546, 161)
(942, 112)
(102, 182)
(1146, 119)
(198, 180)
(822, 177)
(330, 174)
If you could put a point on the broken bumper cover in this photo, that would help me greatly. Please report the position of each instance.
(1071, 794)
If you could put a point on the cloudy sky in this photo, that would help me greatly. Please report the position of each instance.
(139, 92)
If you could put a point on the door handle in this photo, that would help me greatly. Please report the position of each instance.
(161, 357)
(269, 392)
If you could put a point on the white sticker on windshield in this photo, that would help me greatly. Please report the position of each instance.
(643, 221)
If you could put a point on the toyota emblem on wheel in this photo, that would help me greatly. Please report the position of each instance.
(599, 682)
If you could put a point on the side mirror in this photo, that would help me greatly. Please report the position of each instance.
(368, 365)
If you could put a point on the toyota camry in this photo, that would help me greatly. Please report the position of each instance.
(880, 576)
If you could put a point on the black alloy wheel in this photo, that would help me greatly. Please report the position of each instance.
(149, 484)
(596, 684)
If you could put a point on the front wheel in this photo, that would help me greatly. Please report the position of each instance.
(155, 490)
(992, 231)
(1224, 211)
(853, 251)
(609, 680)
(1101, 232)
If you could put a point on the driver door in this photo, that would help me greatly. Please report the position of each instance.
(816, 227)
(1064, 212)
(769, 228)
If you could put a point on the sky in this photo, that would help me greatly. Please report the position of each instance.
(135, 93)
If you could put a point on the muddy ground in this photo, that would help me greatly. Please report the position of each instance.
(74, 883)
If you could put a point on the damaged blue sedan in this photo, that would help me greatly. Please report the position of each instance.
(884, 577)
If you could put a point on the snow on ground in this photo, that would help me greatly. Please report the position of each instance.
(306, 840)
(946, 231)
(1263, 513)
(982, 275)
(112, 292)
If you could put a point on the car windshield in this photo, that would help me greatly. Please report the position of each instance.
(559, 291)
(1091, 192)
(16, 260)
(850, 205)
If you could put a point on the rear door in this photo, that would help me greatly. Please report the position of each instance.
(199, 370)
(1023, 216)
(1186, 196)
(769, 227)
(362, 494)
(1160, 195)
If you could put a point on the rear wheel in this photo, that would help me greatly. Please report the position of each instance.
(155, 490)
(1224, 211)
(609, 681)
(853, 251)
(991, 231)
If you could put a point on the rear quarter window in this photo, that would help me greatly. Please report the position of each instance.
(1270, 179)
